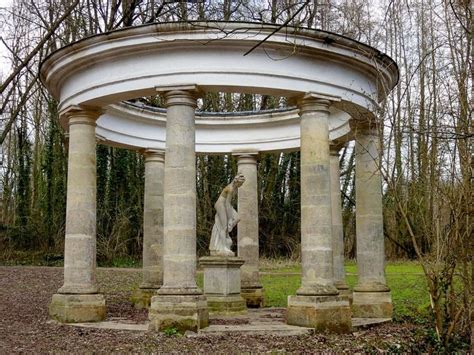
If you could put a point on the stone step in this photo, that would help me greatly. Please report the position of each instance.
(256, 326)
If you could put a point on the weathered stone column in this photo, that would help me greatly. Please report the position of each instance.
(317, 303)
(372, 297)
(247, 230)
(179, 303)
(337, 229)
(152, 228)
(77, 300)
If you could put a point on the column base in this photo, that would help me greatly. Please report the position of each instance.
(254, 297)
(231, 304)
(77, 308)
(344, 290)
(367, 304)
(182, 312)
(141, 297)
(323, 313)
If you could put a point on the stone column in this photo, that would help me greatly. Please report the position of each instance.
(247, 230)
(337, 230)
(152, 229)
(371, 297)
(179, 303)
(317, 303)
(77, 300)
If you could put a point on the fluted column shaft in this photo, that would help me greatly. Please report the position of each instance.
(369, 217)
(316, 223)
(337, 228)
(179, 259)
(247, 234)
(153, 220)
(80, 242)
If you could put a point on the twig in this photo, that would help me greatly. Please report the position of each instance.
(277, 29)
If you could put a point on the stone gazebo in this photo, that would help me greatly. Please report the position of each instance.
(335, 84)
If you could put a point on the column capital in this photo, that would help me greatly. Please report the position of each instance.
(246, 157)
(156, 155)
(78, 114)
(185, 95)
(314, 102)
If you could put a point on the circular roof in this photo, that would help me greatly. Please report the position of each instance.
(132, 62)
(106, 69)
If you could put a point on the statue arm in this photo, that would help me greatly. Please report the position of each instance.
(232, 215)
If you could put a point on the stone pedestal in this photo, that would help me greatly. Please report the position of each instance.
(247, 230)
(179, 303)
(371, 297)
(222, 283)
(77, 300)
(323, 313)
(317, 303)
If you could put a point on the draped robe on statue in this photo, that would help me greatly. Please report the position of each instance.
(226, 219)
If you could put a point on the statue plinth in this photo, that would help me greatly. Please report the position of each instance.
(222, 283)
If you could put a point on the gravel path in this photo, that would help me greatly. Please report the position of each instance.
(25, 326)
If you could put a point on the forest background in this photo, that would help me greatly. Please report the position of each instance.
(426, 135)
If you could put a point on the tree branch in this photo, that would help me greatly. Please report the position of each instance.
(277, 29)
(38, 47)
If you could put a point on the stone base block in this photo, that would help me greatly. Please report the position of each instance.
(141, 298)
(221, 275)
(372, 305)
(232, 304)
(69, 308)
(323, 313)
(182, 312)
(346, 292)
(253, 297)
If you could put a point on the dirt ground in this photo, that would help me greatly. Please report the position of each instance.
(25, 327)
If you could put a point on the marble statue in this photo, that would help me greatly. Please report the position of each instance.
(226, 219)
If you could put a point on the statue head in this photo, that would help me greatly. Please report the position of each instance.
(238, 181)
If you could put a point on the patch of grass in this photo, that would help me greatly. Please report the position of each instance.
(392, 267)
(409, 290)
(278, 288)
